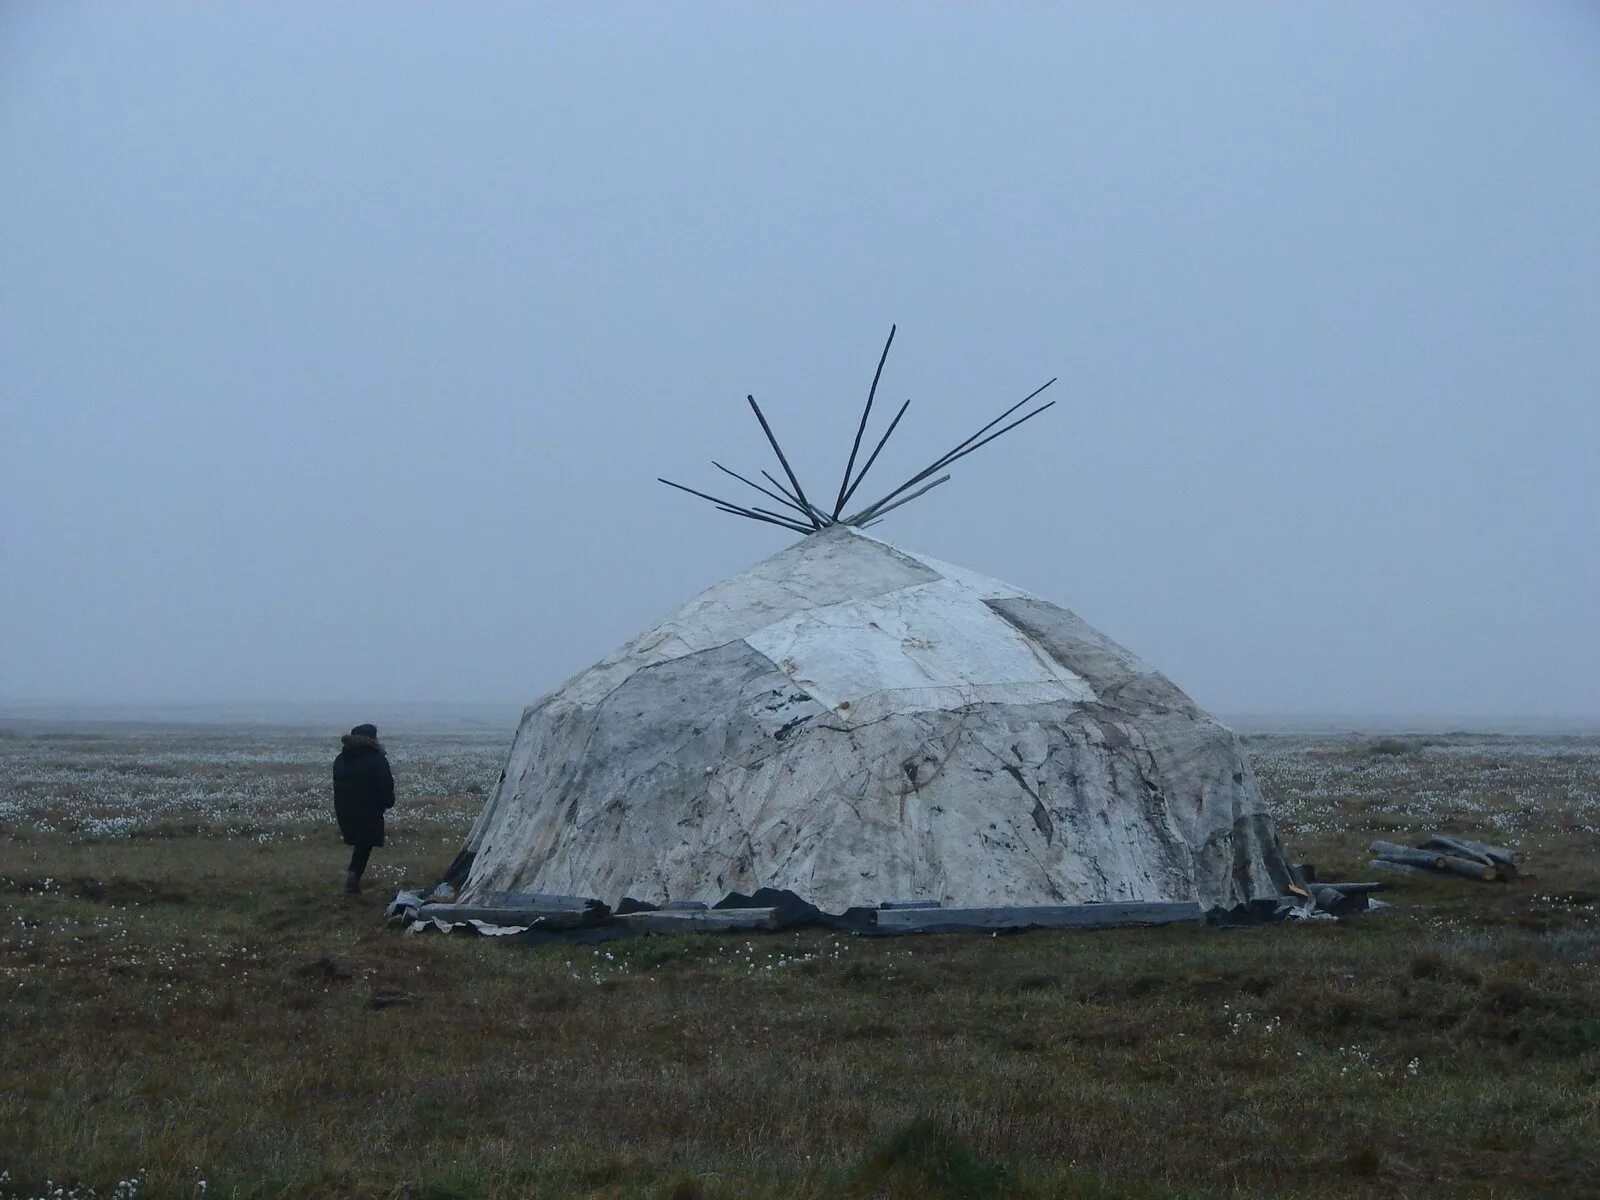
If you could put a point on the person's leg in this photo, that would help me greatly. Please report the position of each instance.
(358, 865)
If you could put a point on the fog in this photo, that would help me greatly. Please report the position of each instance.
(341, 345)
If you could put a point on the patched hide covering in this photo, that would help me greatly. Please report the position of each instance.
(857, 723)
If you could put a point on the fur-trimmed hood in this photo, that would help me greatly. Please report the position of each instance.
(356, 741)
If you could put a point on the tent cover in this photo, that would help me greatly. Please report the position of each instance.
(856, 723)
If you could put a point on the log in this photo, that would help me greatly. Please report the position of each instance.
(1497, 853)
(911, 904)
(1044, 916)
(1468, 868)
(1343, 898)
(1451, 846)
(715, 920)
(1405, 854)
(1494, 854)
(1399, 868)
(1332, 900)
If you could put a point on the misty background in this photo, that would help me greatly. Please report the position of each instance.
(341, 345)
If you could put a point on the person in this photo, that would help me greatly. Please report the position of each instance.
(363, 790)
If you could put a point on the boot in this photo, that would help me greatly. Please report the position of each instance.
(352, 883)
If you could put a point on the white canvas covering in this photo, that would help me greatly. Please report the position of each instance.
(855, 724)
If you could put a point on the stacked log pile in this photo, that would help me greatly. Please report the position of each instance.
(1441, 855)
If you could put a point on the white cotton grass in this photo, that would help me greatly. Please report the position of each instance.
(265, 786)
(1500, 785)
(131, 1188)
(641, 960)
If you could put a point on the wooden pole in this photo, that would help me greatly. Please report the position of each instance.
(1469, 868)
(800, 492)
(961, 451)
(1001, 417)
(814, 510)
(1400, 868)
(873, 457)
(879, 514)
(1462, 848)
(739, 512)
(774, 495)
(855, 447)
(1408, 855)
(1004, 429)
(778, 515)
(721, 503)
(873, 509)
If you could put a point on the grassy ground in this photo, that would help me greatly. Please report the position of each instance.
(188, 1007)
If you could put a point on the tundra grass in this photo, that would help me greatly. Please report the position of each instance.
(188, 1007)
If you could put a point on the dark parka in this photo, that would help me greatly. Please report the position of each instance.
(363, 789)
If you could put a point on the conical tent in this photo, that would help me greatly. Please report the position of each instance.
(857, 723)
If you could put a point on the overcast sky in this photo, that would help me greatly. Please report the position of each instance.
(340, 345)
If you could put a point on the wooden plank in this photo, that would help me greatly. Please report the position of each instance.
(911, 904)
(497, 914)
(1045, 916)
(713, 920)
(547, 900)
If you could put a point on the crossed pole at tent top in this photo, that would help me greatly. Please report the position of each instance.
(802, 516)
